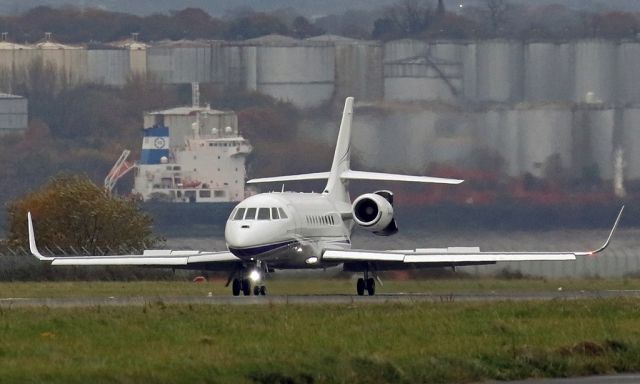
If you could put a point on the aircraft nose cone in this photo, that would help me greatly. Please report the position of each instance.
(238, 236)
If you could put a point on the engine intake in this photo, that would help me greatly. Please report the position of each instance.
(374, 212)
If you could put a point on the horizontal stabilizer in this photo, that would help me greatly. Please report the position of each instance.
(360, 175)
(278, 179)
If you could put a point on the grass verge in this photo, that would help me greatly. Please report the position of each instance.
(425, 342)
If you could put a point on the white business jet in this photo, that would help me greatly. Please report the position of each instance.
(288, 230)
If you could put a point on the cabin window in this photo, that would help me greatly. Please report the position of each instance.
(282, 213)
(263, 214)
(274, 214)
(239, 214)
(251, 214)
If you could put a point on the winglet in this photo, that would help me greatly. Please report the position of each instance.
(32, 242)
(606, 243)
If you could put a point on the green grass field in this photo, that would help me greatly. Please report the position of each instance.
(427, 342)
(443, 342)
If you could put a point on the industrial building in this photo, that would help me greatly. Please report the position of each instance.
(525, 100)
(313, 71)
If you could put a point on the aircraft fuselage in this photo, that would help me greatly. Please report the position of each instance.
(288, 230)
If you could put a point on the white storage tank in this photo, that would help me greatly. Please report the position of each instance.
(544, 131)
(593, 127)
(404, 49)
(179, 62)
(500, 69)
(108, 66)
(548, 71)
(628, 81)
(631, 142)
(595, 67)
(359, 69)
(301, 72)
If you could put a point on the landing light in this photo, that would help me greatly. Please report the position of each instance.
(311, 260)
(254, 276)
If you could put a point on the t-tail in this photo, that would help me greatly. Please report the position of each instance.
(341, 172)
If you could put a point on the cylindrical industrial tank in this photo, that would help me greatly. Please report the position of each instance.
(359, 70)
(69, 61)
(229, 66)
(544, 132)
(628, 81)
(404, 49)
(181, 61)
(447, 51)
(302, 73)
(548, 71)
(500, 70)
(509, 140)
(470, 71)
(595, 66)
(593, 129)
(108, 66)
(421, 79)
(631, 142)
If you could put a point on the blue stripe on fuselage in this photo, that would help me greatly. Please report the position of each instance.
(255, 251)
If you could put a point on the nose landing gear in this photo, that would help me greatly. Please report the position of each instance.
(247, 276)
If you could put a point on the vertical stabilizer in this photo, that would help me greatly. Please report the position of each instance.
(336, 186)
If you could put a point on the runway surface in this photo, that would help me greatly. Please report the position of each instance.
(613, 379)
(75, 302)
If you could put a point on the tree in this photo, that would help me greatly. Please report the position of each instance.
(302, 28)
(72, 211)
(498, 10)
(410, 18)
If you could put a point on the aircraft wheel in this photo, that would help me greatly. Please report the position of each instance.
(263, 290)
(360, 286)
(256, 290)
(235, 287)
(246, 287)
(371, 286)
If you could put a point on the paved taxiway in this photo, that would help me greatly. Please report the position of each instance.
(310, 299)
(614, 379)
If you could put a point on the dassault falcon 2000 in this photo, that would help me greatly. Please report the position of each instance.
(287, 230)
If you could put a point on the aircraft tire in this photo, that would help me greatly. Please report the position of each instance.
(263, 290)
(371, 286)
(235, 287)
(256, 290)
(360, 286)
(246, 287)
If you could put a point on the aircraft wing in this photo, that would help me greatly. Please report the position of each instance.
(453, 256)
(150, 258)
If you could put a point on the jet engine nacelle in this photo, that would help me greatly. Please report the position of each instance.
(374, 212)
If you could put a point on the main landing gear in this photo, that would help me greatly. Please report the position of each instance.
(367, 283)
(248, 276)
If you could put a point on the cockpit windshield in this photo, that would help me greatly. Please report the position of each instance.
(272, 213)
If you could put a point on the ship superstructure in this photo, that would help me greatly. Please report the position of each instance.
(189, 154)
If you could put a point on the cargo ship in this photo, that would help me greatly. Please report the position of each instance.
(190, 155)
